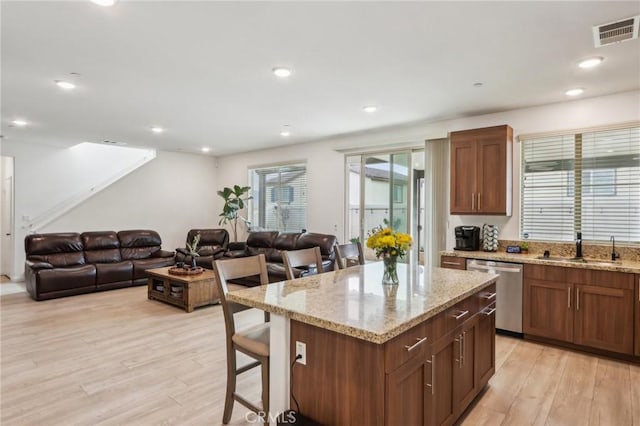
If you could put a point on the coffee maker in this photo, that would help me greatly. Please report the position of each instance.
(467, 238)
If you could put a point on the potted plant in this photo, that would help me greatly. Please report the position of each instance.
(193, 250)
(234, 201)
(524, 247)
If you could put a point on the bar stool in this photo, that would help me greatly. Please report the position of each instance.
(311, 257)
(253, 342)
(349, 255)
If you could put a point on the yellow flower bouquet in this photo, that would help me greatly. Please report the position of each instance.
(388, 243)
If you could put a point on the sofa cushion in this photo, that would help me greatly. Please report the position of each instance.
(59, 249)
(285, 241)
(141, 265)
(101, 247)
(113, 272)
(139, 244)
(50, 280)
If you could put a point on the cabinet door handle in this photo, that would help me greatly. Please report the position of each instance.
(478, 201)
(473, 200)
(416, 344)
(460, 315)
(577, 299)
(451, 263)
(464, 347)
(568, 297)
(489, 296)
(433, 374)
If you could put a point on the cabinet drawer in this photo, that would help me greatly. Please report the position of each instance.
(545, 273)
(413, 343)
(486, 297)
(453, 262)
(600, 278)
(453, 317)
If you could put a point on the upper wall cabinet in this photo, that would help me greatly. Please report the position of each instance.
(481, 169)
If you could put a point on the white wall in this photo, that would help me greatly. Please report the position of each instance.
(325, 164)
(171, 194)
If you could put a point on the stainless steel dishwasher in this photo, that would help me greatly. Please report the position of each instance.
(509, 292)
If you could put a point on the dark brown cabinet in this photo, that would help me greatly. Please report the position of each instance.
(547, 311)
(486, 337)
(585, 307)
(441, 404)
(407, 390)
(481, 171)
(464, 376)
(453, 262)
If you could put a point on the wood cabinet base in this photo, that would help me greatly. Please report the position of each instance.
(573, 346)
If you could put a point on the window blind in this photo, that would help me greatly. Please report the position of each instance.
(588, 182)
(279, 198)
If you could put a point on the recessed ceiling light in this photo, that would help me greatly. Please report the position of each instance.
(66, 85)
(20, 123)
(591, 62)
(285, 133)
(282, 72)
(370, 109)
(205, 149)
(574, 92)
(105, 3)
(156, 129)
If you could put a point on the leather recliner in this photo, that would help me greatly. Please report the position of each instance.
(65, 264)
(273, 243)
(213, 244)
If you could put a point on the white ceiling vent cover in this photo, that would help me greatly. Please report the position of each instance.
(615, 32)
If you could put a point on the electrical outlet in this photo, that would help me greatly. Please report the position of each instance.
(301, 349)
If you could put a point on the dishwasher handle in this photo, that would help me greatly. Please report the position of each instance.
(474, 266)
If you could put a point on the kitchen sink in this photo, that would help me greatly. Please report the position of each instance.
(580, 260)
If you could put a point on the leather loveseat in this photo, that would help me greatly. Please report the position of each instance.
(273, 243)
(213, 244)
(65, 264)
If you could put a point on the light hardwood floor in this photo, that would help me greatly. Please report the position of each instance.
(116, 358)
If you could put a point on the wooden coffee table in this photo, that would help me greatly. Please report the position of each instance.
(185, 291)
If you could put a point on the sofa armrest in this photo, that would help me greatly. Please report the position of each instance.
(165, 253)
(235, 246)
(36, 266)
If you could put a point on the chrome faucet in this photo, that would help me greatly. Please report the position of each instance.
(614, 254)
(579, 245)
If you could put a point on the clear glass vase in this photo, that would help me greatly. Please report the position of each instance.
(390, 276)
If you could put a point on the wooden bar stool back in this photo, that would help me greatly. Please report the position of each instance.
(349, 255)
(311, 257)
(253, 342)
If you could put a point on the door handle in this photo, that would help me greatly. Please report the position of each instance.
(464, 347)
(489, 296)
(432, 385)
(478, 201)
(568, 297)
(489, 312)
(473, 200)
(577, 299)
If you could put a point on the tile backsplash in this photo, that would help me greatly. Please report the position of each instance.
(589, 250)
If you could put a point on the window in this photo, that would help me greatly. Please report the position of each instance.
(279, 198)
(588, 182)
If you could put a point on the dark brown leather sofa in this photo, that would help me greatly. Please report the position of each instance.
(65, 264)
(273, 243)
(213, 244)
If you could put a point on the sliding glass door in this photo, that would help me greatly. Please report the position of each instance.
(385, 187)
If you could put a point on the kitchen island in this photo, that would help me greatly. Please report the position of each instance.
(417, 355)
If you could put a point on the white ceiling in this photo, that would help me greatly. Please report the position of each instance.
(202, 70)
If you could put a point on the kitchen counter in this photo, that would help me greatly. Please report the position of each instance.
(599, 264)
(352, 301)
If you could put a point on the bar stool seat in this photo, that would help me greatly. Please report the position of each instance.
(253, 339)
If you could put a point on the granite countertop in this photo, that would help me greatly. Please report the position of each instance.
(352, 301)
(629, 266)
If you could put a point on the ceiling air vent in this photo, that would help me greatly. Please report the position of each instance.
(615, 32)
(114, 143)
